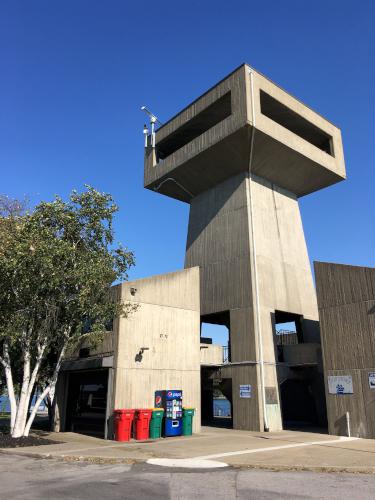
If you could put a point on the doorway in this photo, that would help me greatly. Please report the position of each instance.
(216, 398)
(87, 402)
(299, 372)
(298, 405)
(222, 403)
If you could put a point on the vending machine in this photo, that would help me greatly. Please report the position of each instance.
(171, 401)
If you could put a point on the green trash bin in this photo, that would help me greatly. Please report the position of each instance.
(156, 423)
(187, 421)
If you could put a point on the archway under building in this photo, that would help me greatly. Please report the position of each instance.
(297, 404)
(216, 398)
(300, 372)
(216, 391)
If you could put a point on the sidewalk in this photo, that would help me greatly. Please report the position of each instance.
(285, 450)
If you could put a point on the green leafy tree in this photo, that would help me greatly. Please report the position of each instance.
(57, 265)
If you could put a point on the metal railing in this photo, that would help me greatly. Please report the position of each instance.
(286, 337)
(226, 354)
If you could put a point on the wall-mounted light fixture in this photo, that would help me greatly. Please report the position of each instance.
(139, 356)
(133, 291)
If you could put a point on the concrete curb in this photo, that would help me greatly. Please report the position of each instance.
(307, 468)
(131, 461)
(72, 458)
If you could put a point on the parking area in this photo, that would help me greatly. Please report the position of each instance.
(35, 479)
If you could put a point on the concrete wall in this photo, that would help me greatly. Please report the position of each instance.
(346, 300)
(284, 273)
(167, 322)
(211, 354)
(219, 241)
(302, 354)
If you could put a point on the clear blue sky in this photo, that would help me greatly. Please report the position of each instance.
(75, 73)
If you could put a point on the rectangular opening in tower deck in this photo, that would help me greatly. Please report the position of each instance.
(292, 121)
(288, 331)
(200, 123)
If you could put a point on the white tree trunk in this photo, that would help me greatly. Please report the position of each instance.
(34, 410)
(49, 390)
(5, 361)
(19, 411)
(23, 404)
(19, 423)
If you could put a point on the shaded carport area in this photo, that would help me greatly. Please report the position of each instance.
(84, 395)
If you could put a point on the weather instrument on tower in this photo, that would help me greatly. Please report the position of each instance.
(153, 120)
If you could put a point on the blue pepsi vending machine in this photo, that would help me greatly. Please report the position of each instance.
(171, 401)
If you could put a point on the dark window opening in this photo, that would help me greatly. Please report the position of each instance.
(288, 331)
(215, 329)
(84, 352)
(200, 123)
(292, 121)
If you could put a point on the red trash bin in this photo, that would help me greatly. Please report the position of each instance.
(123, 424)
(142, 424)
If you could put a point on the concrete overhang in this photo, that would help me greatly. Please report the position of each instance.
(87, 363)
(210, 141)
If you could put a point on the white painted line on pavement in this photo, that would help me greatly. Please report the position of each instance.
(274, 448)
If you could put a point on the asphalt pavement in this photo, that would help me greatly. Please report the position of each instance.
(39, 479)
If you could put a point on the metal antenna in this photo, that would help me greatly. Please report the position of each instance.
(153, 119)
(145, 133)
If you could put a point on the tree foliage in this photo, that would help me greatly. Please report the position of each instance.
(57, 264)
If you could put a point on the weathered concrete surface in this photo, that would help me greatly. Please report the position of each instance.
(220, 150)
(167, 323)
(287, 450)
(34, 479)
(219, 241)
(346, 299)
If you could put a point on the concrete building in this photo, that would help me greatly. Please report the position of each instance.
(156, 347)
(241, 156)
(346, 301)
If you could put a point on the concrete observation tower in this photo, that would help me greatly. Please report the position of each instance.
(242, 155)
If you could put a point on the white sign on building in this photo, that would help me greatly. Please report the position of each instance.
(371, 380)
(340, 384)
(245, 391)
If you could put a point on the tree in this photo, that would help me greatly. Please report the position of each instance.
(57, 265)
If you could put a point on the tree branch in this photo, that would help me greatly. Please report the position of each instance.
(35, 409)
(50, 389)
(41, 349)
